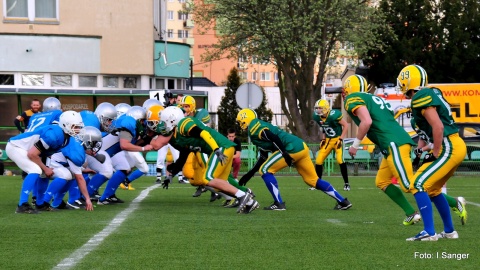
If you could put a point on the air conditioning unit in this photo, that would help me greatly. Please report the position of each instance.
(188, 23)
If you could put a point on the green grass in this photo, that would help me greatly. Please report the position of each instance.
(172, 230)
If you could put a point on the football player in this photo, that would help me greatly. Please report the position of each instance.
(334, 130)
(374, 118)
(287, 150)
(433, 115)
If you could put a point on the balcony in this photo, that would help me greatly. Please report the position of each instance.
(188, 23)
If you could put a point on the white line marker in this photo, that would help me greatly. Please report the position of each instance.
(97, 239)
(472, 203)
(336, 222)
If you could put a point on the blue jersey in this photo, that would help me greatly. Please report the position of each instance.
(48, 140)
(111, 141)
(42, 119)
(74, 152)
(90, 119)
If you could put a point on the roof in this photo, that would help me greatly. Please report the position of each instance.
(200, 81)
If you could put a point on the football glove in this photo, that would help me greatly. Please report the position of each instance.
(429, 158)
(223, 159)
(416, 162)
(166, 182)
(418, 151)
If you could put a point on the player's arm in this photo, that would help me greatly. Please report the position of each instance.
(82, 185)
(344, 125)
(127, 145)
(34, 155)
(175, 167)
(365, 123)
(434, 121)
(18, 120)
(267, 135)
(160, 141)
(246, 177)
(205, 135)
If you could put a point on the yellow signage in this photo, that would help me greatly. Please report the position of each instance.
(464, 99)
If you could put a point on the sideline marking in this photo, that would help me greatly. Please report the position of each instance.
(336, 222)
(97, 239)
(472, 203)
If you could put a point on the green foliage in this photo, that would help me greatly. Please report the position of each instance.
(299, 37)
(228, 109)
(441, 36)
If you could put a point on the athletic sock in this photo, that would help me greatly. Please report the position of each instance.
(73, 192)
(425, 206)
(134, 175)
(343, 170)
(42, 185)
(112, 184)
(319, 170)
(444, 210)
(54, 188)
(272, 185)
(234, 183)
(328, 189)
(27, 187)
(96, 182)
(397, 196)
(452, 202)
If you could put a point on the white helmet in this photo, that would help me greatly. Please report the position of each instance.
(92, 139)
(137, 113)
(122, 108)
(72, 124)
(51, 104)
(106, 113)
(150, 102)
(169, 119)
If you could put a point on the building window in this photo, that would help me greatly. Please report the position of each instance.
(32, 9)
(254, 76)
(170, 15)
(61, 80)
(265, 76)
(243, 75)
(182, 1)
(130, 82)
(254, 60)
(182, 33)
(7, 79)
(33, 79)
(87, 81)
(182, 16)
(159, 84)
(110, 81)
(275, 76)
(170, 33)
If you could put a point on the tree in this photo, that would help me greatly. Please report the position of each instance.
(228, 109)
(297, 36)
(441, 36)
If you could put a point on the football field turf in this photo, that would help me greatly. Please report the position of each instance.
(170, 229)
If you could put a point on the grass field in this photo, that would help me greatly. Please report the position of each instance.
(169, 229)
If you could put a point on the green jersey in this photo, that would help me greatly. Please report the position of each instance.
(202, 115)
(182, 138)
(292, 143)
(384, 129)
(432, 97)
(331, 125)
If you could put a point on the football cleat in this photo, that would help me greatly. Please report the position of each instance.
(44, 207)
(199, 191)
(344, 205)
(243, 201)
(250, 208)
(126, 186)
(277, 206)
(423, 236)
(452, 235)
(25, 208)
(114, 199)
(215, 196)
(232, 203)
(412, 219)
(461, 210)
(346, 187)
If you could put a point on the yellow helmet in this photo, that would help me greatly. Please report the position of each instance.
(153, 116)
(188, 104)
(412, 77)
(322, 108)
(245, 116)
(355, 83)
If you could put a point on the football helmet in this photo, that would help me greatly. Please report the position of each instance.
(92, 139)
(355, 83)
(122, 108)
(106, 113)
(72, 124)
(322, 108)
(153, 116)
(50, 104)
(245, 116)
(150, 102)
(137, 112)
(411, 77)
(189, 105)
(169, 118)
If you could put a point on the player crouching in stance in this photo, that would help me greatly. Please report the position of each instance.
(188, 132)
(287, 150)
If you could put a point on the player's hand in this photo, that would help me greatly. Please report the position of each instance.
(429, 158)
(196, 148)
(48, 172)
(223, 159)
(288, 159)
(418, 151)
(352, 151)
(166, 182)
(88, 205)
(244, 180)
(148, 147)
(339, 143)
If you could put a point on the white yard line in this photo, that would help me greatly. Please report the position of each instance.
(472, 203)
(97, 239)
(336, 222)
